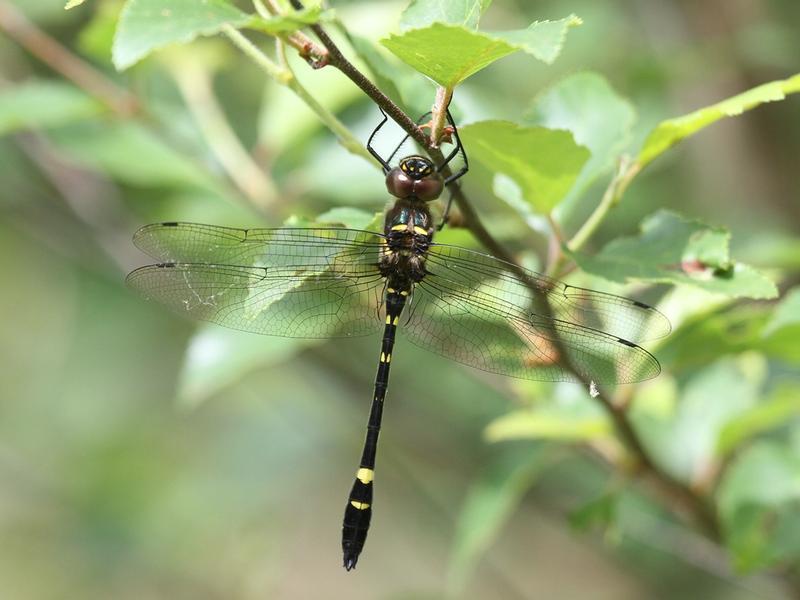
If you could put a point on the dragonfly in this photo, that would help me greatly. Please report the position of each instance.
(329, 282)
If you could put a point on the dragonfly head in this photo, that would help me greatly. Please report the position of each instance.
(415, 176)
(417, 167)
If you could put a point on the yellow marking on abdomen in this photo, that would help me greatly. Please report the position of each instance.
(396, 319)
(388, 358)
(359, 505)
(420, 231)
(365, 475)
(388, 319)
(383, 357)
(400, 227)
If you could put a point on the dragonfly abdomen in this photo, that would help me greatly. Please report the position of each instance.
(408, 230)
(358, 511)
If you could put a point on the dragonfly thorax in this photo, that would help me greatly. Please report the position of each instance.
(408, 232)
(415, 177)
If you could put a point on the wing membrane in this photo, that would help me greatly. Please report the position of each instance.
(616, 315)
(476, 314)
(198, 243)
(307, 283)
(471, 307)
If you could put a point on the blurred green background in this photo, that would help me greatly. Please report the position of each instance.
(143, 456)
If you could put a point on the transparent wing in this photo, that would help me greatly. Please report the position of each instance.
(309, 283)
(616, 315)
(198, 243)
(472, 310)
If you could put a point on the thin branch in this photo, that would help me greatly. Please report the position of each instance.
(555, 241)
(338, 60)
(265, 12)
(60, 59)
(284, 76)
(626, 171)
(691, 501)
(703, 513)
(313, 54)
(194, 83)
(681, 492)
(250, 50)
(473, 223)
(439, 113)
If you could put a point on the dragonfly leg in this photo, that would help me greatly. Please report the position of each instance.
(446, 213)
(405, 138)
(459, 149)
(386, 163)
(378, 157)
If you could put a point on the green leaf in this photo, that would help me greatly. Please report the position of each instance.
(570, 415)
(543, 162)
(759, 538)
(686, 442)
(597, 116)
(786, 315)
(73, 4)
(733, 329)
(292, 21)
(97, 37)
(489, 504)
(780, 335)
(285, 125)
(672, 249)
(398, 81)
(782, 406)
(449, 54)
(146, 25)
(354, 218)
(132, 154)
(218, 358)
(757, 498)
(599, 512)
(541, 39)
(382, 70)
(506, 189)
(711, 334)
(41, 104)
(421, 13)
(544, 425)
(670, 132)
(47, 12)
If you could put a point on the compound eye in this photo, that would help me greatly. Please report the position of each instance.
(399, 184)
(429, 188)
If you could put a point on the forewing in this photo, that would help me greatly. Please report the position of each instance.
(212, 244)
(472, 314)
(616, 315)
(308, 283)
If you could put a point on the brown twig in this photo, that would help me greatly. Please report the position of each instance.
(674, 489)
(338, 60)
(690, 501)
(315, 55)
(61, 60)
